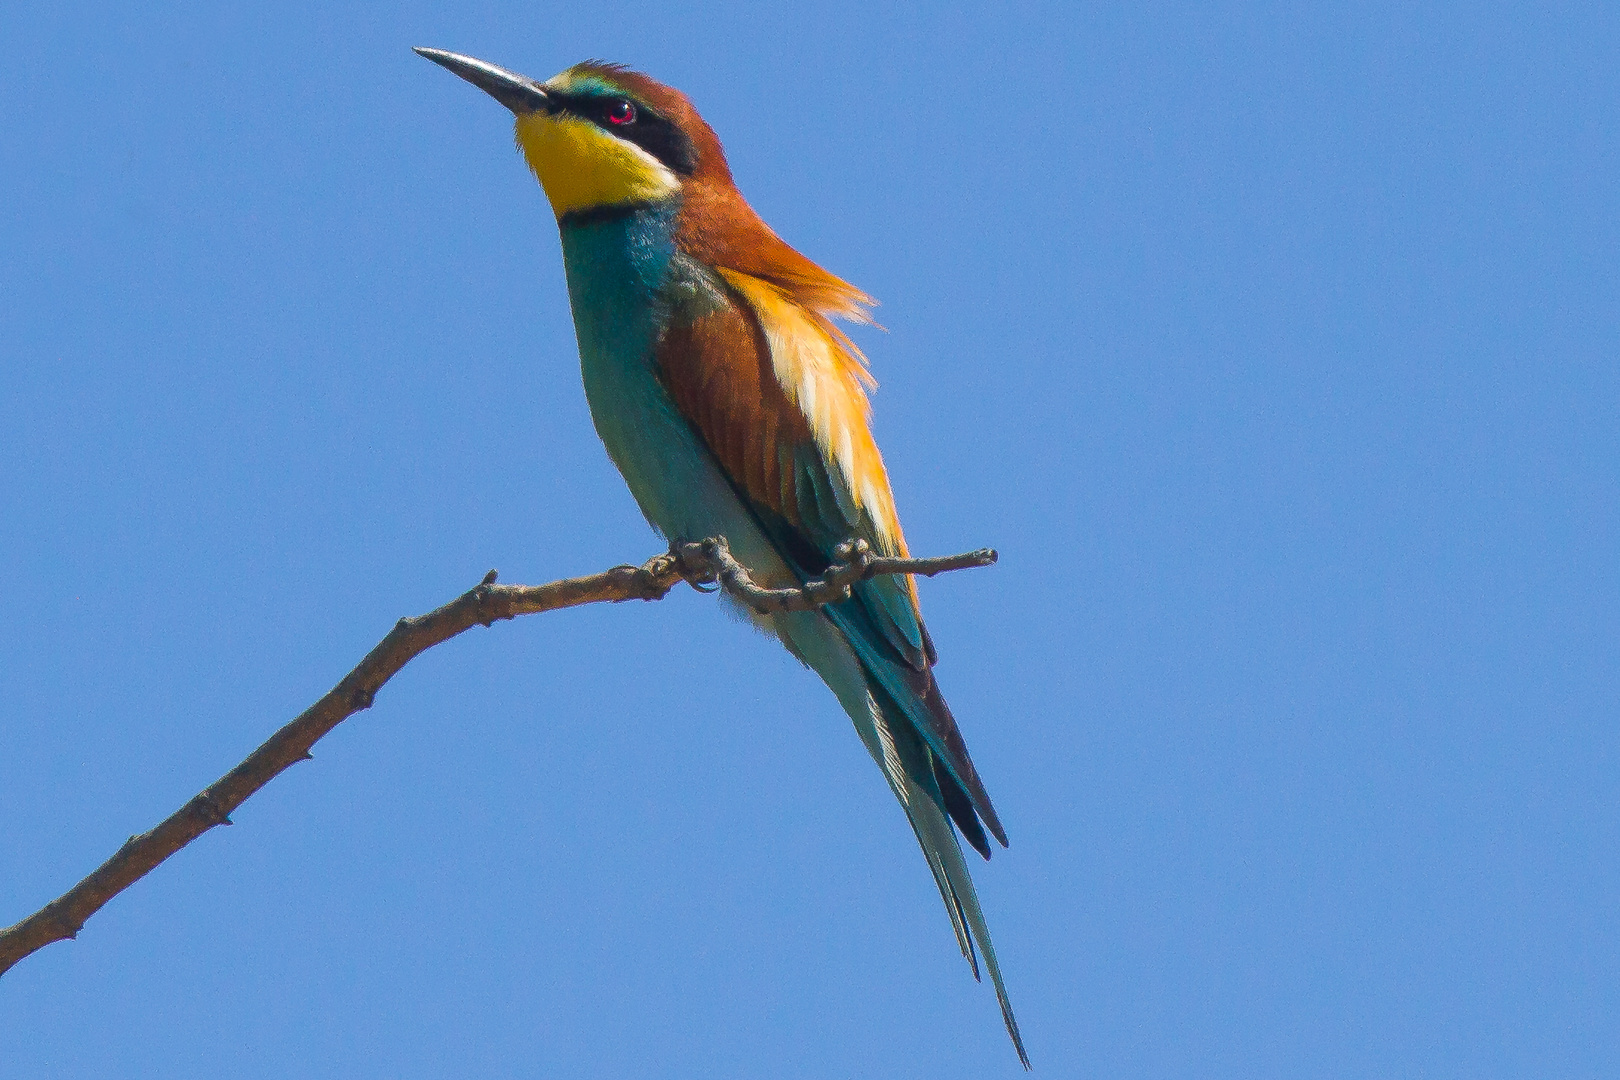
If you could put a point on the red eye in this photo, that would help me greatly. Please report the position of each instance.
(621, 112)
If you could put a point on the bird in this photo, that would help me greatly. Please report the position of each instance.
(733, 405)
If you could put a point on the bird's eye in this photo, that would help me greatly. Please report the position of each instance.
(621, 112)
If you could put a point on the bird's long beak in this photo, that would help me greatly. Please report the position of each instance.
(517, 92)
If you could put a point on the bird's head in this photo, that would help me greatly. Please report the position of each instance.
(599, 135)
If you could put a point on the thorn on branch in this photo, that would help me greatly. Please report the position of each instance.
(482, 592)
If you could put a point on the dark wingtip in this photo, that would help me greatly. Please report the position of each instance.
(958, 764)
(988, 813)
(959, 808)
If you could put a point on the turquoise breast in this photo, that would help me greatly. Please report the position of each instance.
(624, 281)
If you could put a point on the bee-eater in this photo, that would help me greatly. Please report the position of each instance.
(735, 407)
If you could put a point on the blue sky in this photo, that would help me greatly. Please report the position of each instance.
(1274, 348)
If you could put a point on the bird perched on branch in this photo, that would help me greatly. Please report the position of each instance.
(735, 407)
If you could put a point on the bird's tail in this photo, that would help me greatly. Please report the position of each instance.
(907, 764)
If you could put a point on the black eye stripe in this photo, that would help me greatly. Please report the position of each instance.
(650, 131)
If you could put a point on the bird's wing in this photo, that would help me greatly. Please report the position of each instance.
(778, 394)
(779, 398)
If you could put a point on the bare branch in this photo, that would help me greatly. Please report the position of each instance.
(699, 563)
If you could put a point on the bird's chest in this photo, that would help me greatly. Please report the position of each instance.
(618, 271)
(616, 267)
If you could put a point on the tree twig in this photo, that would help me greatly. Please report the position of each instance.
(703, 562)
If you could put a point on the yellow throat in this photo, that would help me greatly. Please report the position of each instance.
(581, 166)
